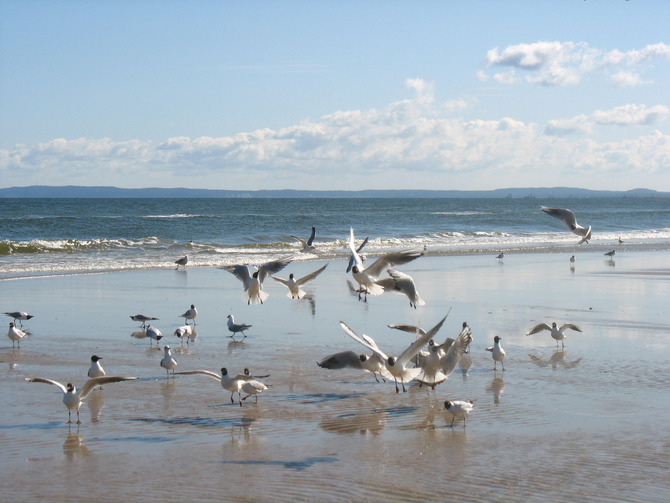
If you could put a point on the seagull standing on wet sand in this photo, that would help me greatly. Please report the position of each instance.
(182, 261)
(184, 332)
(20, 316)
(253, 283)
(190, 315)
(497, 353)
(96, 369)
(168, 362)
(253, 387)
(73, 398)
(558, 334)
(569, 219)
(307, 246)
(153, 334)
(228, 382)
(237, 327)
(15, 334)
(459, 408)
(500, 257)
(293, 285)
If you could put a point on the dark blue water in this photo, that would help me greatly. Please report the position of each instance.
(61, 235)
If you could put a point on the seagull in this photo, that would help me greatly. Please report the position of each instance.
(610, 254)
(182, 261)
(398, 366)
(253, 283)
(402, 283)
(168, 362)
(459, 408)
(557, 333)
(569, 219)
(348, 359)
(442, 359)
(153, 334)
(96, 369)
(73, 398)
(572, 261)
(306, 245)
(20, 316)
(358, 251)
(498, 353)
(15, 334)
(293, 285)
(620, 241)
(366, 278)
(236, 327)
(500, 257)
(230, 383)
(185, 331)
(252, 387)
(143, 319)
(190, 314)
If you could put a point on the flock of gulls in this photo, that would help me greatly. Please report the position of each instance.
(425, 360)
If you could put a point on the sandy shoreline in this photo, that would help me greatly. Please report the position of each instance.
(585, 423)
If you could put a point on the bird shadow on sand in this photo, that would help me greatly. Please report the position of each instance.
(298, 465)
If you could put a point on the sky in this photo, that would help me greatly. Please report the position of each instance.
(336, 95)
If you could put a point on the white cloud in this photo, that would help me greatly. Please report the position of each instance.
(564, 63)
(412, 143)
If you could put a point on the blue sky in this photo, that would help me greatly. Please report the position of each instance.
(335, 95)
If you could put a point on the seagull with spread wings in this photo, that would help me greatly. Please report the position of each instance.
(253, 282)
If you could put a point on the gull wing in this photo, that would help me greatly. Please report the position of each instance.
(421, 341)
(571, 326)
(372, 347)
(311, 236)
(300, 240)
(311, 276)
(271, 268)
(356, 257)
(203, 372)
(351, 257)
(563, 214)
(280, 280)
(539, 328)
(455, 351)
(241, 272)
(393, 259)
(345, 359)
(408, 328)
(99, 381)
(47, 381)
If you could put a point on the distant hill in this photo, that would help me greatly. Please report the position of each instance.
(73, 191)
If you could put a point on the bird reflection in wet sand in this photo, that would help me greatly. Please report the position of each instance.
(496, 388)
(74, 445)
(95, 404)
(372, 422)
(465, 364)
(558, 358)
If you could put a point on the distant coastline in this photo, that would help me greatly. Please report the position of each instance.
(75, 191)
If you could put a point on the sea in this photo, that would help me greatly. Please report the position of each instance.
(41, 237)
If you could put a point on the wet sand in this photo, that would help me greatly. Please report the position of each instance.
(587, 422)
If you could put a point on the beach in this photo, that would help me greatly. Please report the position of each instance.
(585, 422)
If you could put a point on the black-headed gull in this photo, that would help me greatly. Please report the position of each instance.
(397, 366)
(442, 359)
(142, 319)
(252, 387)
(15, 334)
(190, 314)
(348, 359)
(459, 408)
(293, 285)
(20, 316)
(558, 334)
(235, 328)
(96, 369)
(168, 361)
(184, 332)
(500, 256)
(182, 261)
(253, 283)
(307, 246)
(228, 382)
(569, 219)
(610, 254)
(367, 277)
(497, 353)
(153, 334)
(400, 282)
(73, 398)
